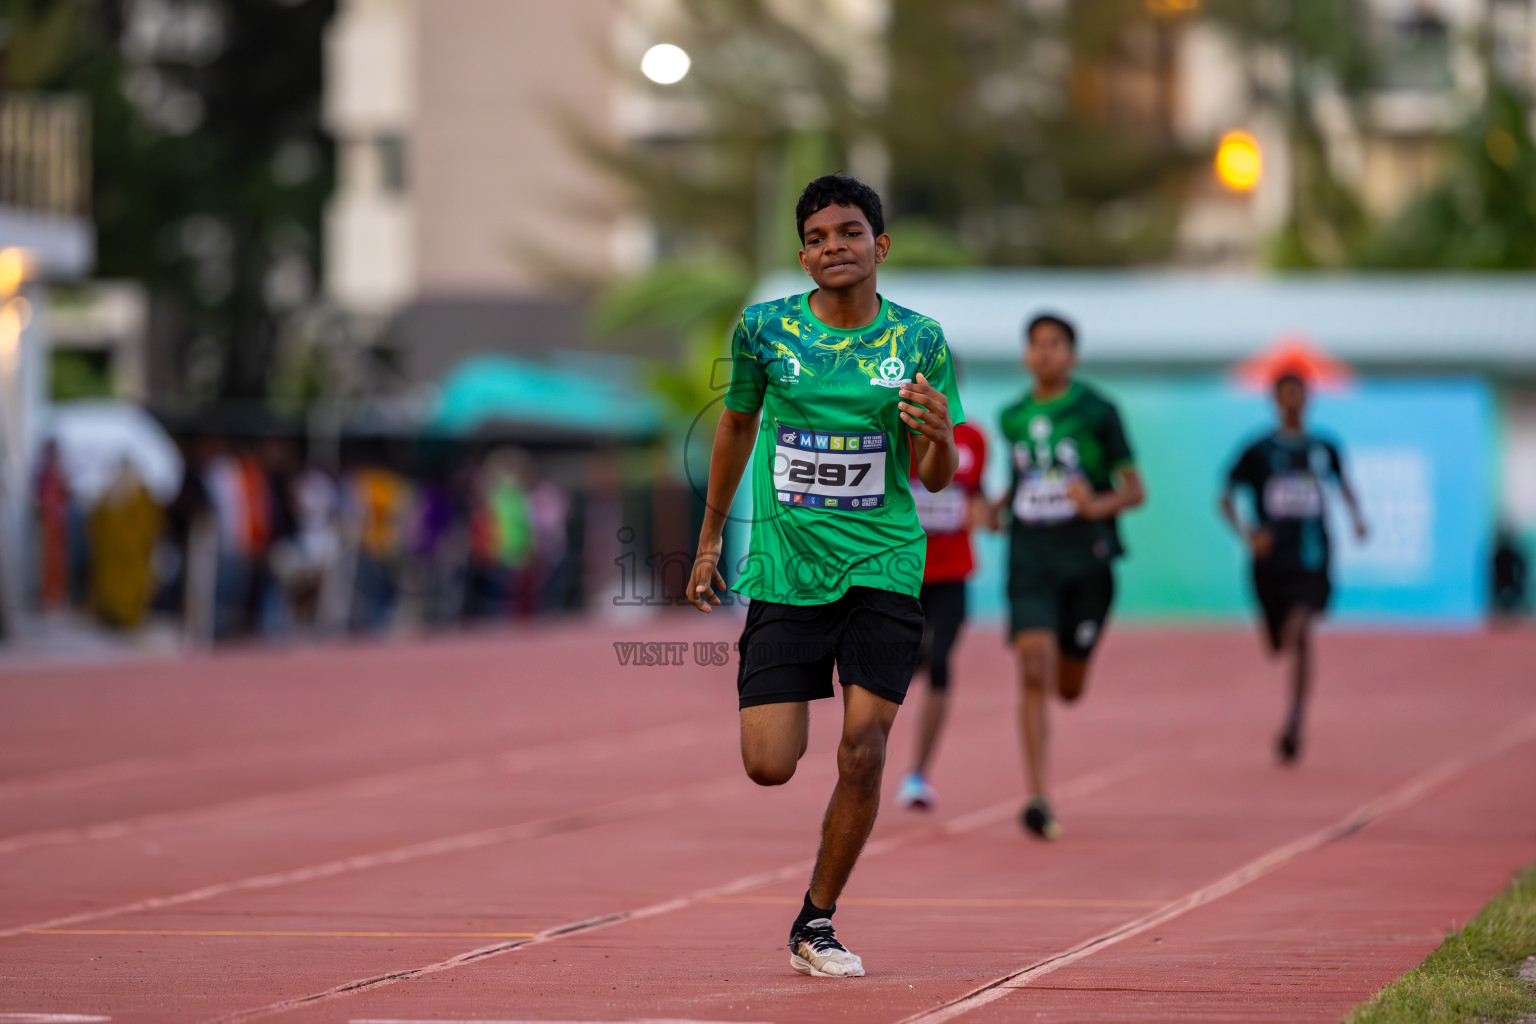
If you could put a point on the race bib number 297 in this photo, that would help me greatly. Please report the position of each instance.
(836, 471)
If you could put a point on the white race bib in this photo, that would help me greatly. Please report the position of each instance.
(941, 512)
(1041, 497)
(838, 471)
(1293, 496)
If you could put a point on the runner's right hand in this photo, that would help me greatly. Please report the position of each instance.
(705, 578)
(1259, 542)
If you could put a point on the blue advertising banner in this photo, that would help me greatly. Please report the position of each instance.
(1419, 453)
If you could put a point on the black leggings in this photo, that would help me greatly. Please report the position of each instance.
(943, 615)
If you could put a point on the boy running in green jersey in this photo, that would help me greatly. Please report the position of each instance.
(833, 391)
(1072, 475)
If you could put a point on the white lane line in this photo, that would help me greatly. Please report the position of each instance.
(130, 769)
(1001, 811)
(458, 771)
(51, 1018)
(149, 766)
(1410, 792)
(481, 1020)
(599, 815)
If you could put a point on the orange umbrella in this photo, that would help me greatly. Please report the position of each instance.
(1293, 354)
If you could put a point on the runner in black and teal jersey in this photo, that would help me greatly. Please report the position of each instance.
(1286, 473)
(1072, 476)
(833, 391)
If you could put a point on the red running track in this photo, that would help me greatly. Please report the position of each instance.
(519, 828)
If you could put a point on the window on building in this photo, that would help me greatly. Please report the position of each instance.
(392, 169)
(1416, 53)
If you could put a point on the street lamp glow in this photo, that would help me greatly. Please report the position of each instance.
(13, 271)
(665, 64)
(1238, 161)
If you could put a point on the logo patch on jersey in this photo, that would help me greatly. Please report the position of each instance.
(892, 373)
(794, 371)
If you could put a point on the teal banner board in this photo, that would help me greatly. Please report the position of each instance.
(1418, 451)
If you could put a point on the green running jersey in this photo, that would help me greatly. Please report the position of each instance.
(1076, 434)
(831, 508)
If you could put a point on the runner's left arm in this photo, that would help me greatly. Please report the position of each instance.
(930, 409)
(1357, 519)
(925, 411)
(1127, 490)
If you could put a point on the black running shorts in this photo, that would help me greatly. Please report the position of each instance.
(1070, 594)
(1281, 591)
(787, 651)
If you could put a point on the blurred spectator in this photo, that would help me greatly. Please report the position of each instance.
(502, 537)
(242, 501)
(439, 552)
(257, 542)
(550, 510)
(304, 561)
(192, 526)
(53, 512)
(277, 464)
(1510, 575)
(380, 503)
(124, 527)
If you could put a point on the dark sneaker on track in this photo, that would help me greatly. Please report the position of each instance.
(814, 950)
(1038, 820)
(1288, 747)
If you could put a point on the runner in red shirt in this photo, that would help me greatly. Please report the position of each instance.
(947, 517)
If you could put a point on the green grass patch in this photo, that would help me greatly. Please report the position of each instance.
(1473, 976)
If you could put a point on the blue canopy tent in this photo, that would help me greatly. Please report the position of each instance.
(497, 392)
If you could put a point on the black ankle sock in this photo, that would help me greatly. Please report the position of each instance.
(809, 912)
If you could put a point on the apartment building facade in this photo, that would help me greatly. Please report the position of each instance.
(467, 217)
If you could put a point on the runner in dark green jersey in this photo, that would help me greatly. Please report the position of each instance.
(1286, 474)
(834, 391)
(1072, 475)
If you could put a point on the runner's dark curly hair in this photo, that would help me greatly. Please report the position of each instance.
(1051, 318)
(839, 190)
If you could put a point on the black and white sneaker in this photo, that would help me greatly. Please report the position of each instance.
(1038, 820)
(814, 950)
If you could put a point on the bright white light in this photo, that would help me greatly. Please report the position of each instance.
(665, 64)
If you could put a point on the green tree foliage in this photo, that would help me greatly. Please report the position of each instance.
(210, 169)
(1301, 56)
(762, 110)
(1036, 134)
(997, 135)
(1482, 215)
(36, 37)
